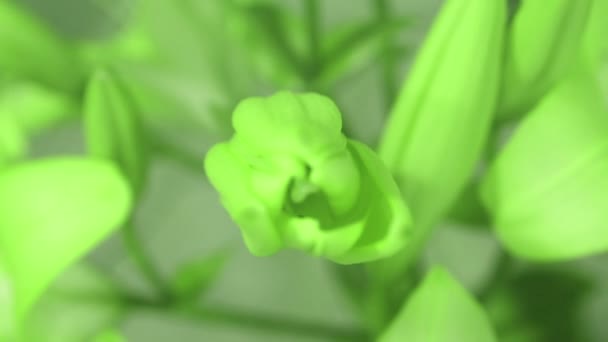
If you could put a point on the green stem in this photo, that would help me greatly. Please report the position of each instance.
(274, 323)
(389, 79)
(143, 262)
(229, 316)
(177, 155)
(313, 23)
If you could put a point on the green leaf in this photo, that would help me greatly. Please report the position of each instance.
(34, 107)
(52, 212)
(30, 49)
(440, 310)
(548, 190)
(113, 128)
(350, 48)
(544, 41)
(13, 143)
(171, 99)
(80, 304)
(194, 278)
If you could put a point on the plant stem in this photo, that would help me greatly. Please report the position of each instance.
(143, 261)
(313, 23)
(273, 323)
(382, 9)
(171, 152)
(229, 316)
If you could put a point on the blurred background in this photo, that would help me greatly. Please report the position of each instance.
(207, 56)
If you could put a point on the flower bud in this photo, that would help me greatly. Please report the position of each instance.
(544, 40)
(290, 178)
(548, 190)
(438, 127)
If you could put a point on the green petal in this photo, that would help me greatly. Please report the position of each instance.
(548, 188)
(545, 39)
(290, 179)
(307, 126)
(388, 223)
(440, 310)
(113, 128)
(230, 176)
(52, 212)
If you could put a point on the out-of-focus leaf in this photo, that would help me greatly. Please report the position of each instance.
(34, 107)
(113, 128)
(350, 48)
(13, 144)
(30, 49)
(52, 212)
(132, 44)
(440, 310)
(274, 38)
(206, 47)
(170, 98)
(78, 306)
(548, 190)
(194, 278)
(83, 19)
(539, 305)
(544, 41)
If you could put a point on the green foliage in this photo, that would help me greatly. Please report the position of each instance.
(113, 128)
(440, 310)
(33, 107)
(352, 47)
(80, 294)
(48, 203)
(29, 41)
(193, 279)
(500, 125)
